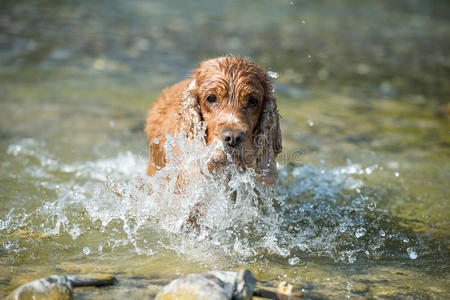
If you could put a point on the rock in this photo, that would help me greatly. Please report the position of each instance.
(245, 286)
(284, 291)
(229, 281)
(53, 287)
(285, 288)
(68, 267)
(57, 287)
(272, 293)
(98, 280)
(194, 286)
(211, 285)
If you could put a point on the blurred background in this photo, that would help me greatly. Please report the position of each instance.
(397, 49)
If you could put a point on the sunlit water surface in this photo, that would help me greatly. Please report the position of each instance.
(360, 209)
(333, 221)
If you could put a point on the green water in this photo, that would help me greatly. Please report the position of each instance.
(359, 88)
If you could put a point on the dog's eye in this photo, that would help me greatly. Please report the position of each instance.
(211, 99)
(252, 102)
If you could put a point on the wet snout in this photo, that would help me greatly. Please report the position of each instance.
(232, 130)
(232, 137)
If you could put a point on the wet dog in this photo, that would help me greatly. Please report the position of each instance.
(234, 98)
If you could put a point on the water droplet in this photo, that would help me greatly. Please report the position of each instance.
(303, 22)
(411, 253)
(382, 233)
(86, 250)
(272, 74)
(405, 240)
(311, 123)
(360, 232)
(293, 261)
(396, 174)
(309, 56)
(371, 206)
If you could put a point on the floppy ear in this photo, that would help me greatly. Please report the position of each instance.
(270, 124)
(190, 116)
(268, 139)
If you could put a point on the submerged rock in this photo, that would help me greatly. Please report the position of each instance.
(223, 285)
(285, 288)
(97, 280)
(57, 287)
(53, 287)
(86, 268)
(284, 291)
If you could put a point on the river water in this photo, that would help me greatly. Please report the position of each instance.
(361, 207)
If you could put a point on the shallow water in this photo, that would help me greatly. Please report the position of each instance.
(361, 208)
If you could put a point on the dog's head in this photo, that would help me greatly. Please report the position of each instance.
(234, 96)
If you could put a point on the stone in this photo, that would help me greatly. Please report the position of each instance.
(245, 285)
(94, 280)
(285, 288)
(272, 293)
(229, 281)
(212, 285)
(58, 287)
(237, 285)
(85, 268)
(53, 287)
(194, 286)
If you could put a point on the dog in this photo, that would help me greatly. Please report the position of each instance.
(234, 98)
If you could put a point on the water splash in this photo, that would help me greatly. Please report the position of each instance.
(272, 74)
(411, 253)
(312, 211)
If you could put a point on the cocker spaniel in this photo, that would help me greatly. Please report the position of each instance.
(235, 98)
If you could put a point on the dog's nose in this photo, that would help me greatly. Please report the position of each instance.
(232, 138)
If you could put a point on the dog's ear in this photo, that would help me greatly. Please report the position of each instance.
(270, 123)
(190, 116)
(268, 138)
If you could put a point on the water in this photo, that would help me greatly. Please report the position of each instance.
(361, 205)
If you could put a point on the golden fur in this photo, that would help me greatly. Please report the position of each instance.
(233, 96)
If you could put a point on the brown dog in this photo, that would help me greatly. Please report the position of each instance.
(235, 98)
